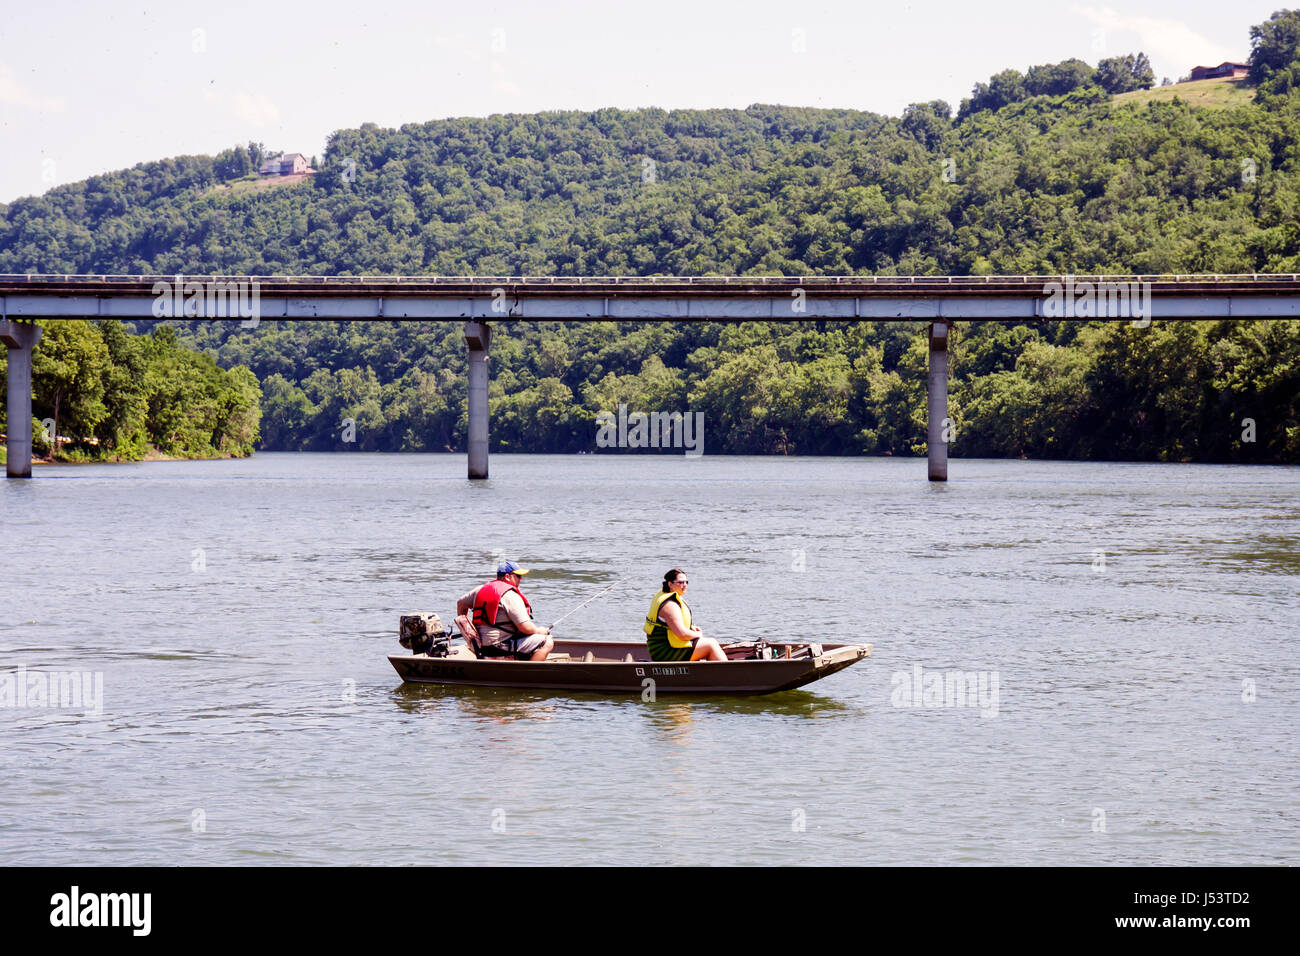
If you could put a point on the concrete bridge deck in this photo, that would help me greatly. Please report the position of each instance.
(655, 298)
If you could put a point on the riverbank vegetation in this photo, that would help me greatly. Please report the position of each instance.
(1194, 391)
(1060, 169)
(109, 395)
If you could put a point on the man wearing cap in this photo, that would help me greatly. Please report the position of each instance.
(503, 618)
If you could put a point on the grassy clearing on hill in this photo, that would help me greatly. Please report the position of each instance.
(255, 184)
(1221, 93)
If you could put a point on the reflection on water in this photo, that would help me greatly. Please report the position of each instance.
(500, 705)
(1270, 554)
(511, 703)
(1157, 684)
(672, 720)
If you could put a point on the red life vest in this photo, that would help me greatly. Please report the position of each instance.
(488, 599)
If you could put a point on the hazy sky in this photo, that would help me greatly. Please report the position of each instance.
(91, 87)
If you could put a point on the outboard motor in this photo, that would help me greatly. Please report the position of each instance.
(423, 634)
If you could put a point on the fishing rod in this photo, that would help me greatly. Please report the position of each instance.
(551, 627)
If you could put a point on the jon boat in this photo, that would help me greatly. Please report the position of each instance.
(624, 667)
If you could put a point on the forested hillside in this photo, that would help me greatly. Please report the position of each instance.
(1041, 173)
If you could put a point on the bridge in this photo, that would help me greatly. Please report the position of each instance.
(479, 301)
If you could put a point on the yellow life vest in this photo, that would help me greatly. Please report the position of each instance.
(657, 628)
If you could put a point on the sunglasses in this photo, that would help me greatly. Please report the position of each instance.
(681, 582)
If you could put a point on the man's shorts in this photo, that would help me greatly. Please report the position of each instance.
(519, 648)
(661, 650)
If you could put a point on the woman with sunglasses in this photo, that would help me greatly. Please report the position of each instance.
(670, 636)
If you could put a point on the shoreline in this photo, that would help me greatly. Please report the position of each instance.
(152, 456)
(156, 456)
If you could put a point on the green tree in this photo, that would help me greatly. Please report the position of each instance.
(122, 432)
(1274, 44)
(1001, 90)
(68, 367)
(927, 122)
(232, 163)
(1057, 79)
(1120, 74)
(286, 411)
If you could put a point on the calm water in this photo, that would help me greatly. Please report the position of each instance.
(240, 613)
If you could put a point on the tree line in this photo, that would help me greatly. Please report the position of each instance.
(1173, 391)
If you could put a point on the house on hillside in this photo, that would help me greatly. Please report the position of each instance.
(1223, 69)
(292, 163)
(286, 165)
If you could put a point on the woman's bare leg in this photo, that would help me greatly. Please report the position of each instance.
(708, 648)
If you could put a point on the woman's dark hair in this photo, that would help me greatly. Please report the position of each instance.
(670, 577)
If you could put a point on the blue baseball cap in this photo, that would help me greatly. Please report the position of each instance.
(509, 567)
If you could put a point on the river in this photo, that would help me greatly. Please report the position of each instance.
(1132, 628)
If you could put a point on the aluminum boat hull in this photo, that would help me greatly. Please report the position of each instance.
(604, 666)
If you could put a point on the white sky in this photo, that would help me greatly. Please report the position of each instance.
(91, 87)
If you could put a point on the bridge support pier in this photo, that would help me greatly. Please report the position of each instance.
(938, 425)
(19, 338)
(478, 336)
